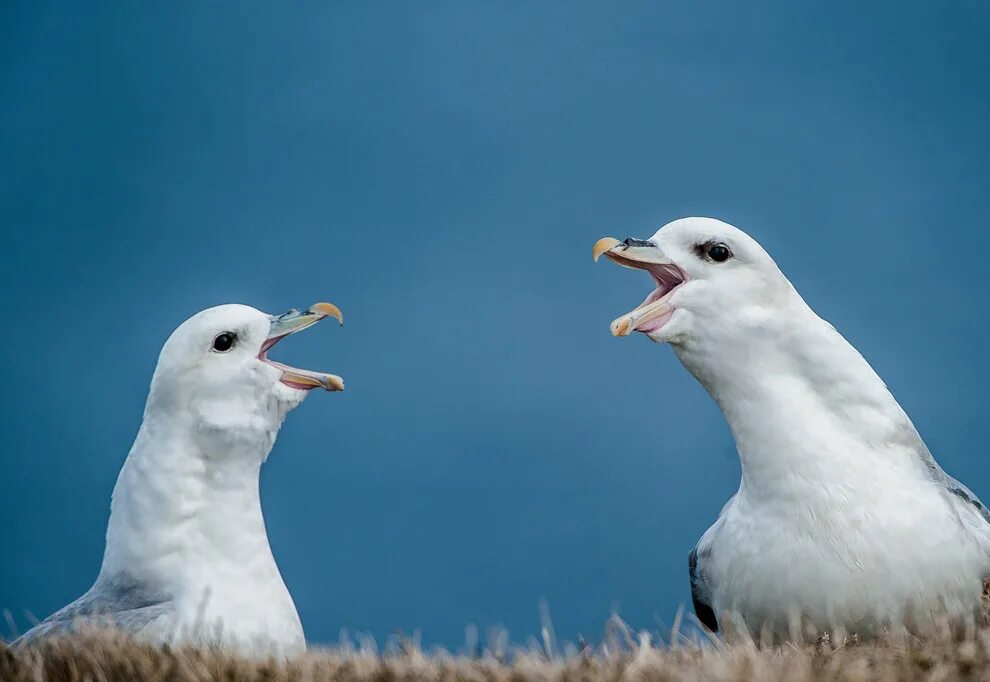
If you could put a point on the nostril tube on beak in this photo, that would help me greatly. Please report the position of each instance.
(632, 241)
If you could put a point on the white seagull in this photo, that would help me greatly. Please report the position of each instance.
(187, 558)
(843, 520)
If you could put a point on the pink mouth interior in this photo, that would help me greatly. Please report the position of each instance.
(263, 356)
(267, 346)
(667, 277)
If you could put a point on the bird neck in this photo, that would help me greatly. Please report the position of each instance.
(180, 508)
(802, 404)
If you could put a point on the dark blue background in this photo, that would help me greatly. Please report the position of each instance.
(440, 171)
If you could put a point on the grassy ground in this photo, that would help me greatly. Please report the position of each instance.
(110, 656)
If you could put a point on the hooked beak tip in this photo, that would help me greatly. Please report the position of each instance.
(327, 310)
(603, 245)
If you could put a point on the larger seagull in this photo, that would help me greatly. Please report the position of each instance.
(187, 558)
(842, 519)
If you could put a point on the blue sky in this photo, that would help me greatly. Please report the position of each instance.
(440, 171)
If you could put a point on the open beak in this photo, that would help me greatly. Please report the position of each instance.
(640, 254)
(289, 323)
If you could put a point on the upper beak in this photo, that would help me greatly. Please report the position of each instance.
(290, 323)
(631, 253)
(641, 254)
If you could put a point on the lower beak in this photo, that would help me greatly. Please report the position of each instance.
(294, 321)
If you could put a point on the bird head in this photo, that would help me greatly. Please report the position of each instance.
(710, 279)
(215, 365)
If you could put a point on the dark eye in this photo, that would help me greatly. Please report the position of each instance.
(224, 342)
(718, 252)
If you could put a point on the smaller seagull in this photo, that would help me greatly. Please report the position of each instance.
(187, 558)
(843, 519)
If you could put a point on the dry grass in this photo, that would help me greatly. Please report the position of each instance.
(111, 656)
(623, 656)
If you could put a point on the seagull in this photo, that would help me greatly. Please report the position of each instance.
(187, 559)
(843, 520)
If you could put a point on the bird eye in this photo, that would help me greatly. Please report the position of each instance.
(224, 342)
(718, 252)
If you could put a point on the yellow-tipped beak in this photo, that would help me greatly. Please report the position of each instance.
(648, 312)
(328, 309)
(602, 245)
(639, 254)
(304, 379)
(295, 320)
(290, 323)
(621, 326)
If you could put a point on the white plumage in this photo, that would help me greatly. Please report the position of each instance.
(187, 557)
(842, 519)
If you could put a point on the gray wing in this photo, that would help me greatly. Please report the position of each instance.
(701, 594)
(120, 603)
(966, 495)
(950, 484)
